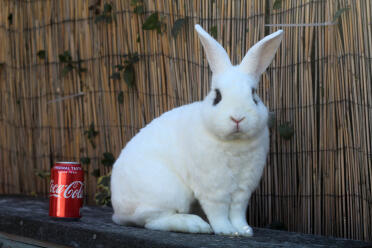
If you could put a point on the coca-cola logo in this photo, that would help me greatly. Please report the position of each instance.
(73, 190)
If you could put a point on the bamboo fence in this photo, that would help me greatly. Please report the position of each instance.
(319, 181)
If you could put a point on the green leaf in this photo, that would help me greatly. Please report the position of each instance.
(96, 173)
(10, 19)
(103, 195)
(121, 97)
(94, 6)
(277, 4)
(119, 67)
(115, 76)
(286, 130)
(41, 54)
(65, 57)
(128, 69)
(91, 133)
(104, 181)
(129, 75)
(339, 13)
(99, 18)
(177, 26)
(134, 2)
(139, 9)
(107, 15)
(133, 58)
(271, 120)
(108, 159)
(42, 174)
(91, 141)
(152, 23)
(107, 8)
(108, 18)
(81, 69)
(214, 32)
(85, 160)
(67, 69)
(103, 198)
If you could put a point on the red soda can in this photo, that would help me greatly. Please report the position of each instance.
(66, 190)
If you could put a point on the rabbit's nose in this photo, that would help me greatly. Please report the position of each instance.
(235, 120)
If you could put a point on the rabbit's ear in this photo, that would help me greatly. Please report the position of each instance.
(259, 57)
(217, 57)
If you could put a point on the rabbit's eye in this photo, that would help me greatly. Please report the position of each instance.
(218, 97)
(254, 93)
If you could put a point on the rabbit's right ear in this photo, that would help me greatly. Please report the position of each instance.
(259, 57)
(218, 59)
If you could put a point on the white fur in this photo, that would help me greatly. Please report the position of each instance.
(194, 152)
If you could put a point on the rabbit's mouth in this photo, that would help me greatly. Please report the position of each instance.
(242, 133)
(237, 133)
(237, 130)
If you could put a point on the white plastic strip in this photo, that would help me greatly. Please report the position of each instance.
(67, 97)
(302, 24)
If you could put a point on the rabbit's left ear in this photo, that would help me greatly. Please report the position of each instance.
(218, 59)
(259, 57)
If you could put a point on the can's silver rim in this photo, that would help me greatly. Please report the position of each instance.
(67, 162)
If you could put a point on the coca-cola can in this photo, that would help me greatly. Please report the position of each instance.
(66, 190)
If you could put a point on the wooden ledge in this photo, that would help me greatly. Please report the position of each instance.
(28, 218)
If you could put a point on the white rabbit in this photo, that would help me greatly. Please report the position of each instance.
(212, 151)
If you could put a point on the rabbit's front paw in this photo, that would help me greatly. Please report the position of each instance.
(242, 226)
(246, 231)
(188, 223)
(197, 225)
(225, 230)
